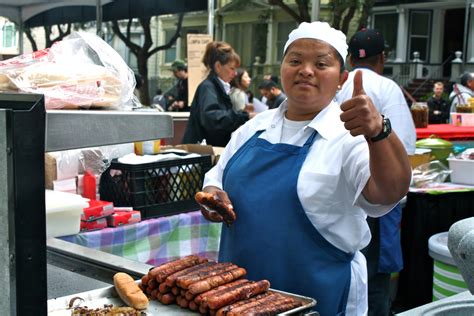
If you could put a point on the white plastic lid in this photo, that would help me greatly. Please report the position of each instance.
(57, 201)
(438, 248)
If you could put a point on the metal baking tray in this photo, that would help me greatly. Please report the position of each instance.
(100, 297)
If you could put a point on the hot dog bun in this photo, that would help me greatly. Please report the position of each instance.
(129, 291)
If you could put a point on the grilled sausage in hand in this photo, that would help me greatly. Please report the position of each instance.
(216, 207)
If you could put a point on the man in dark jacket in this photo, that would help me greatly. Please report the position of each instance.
(438, 106)
(179, 101)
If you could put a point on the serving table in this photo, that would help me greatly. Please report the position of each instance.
(424, 215)
(446, 131)
(156, 240)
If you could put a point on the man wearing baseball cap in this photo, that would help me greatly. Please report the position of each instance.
(178, 101)
(384, 256)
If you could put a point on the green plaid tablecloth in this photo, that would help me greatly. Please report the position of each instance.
(157, 240)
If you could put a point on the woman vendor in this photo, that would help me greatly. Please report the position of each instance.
(302, 178)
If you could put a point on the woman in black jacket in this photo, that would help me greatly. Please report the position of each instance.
(212, 117)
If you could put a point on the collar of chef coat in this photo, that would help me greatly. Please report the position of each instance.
(322, 122)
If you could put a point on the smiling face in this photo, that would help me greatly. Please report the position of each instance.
(228, 71)
(310, 76)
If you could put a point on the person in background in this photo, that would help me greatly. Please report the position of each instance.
(179, 101)
(212, 116)
(158, 97)
(274, 96)
(324, 167)
(238, 92)
(437, 105)
(271, 77)
(384, 254)
(462, 91)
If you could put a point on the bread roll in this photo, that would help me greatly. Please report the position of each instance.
(129, 291)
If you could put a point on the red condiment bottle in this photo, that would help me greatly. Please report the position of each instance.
(89, 189)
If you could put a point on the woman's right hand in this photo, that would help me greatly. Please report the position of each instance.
(212, 214)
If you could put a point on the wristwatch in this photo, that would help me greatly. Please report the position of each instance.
(386, 130)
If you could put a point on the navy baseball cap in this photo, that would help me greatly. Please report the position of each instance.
(366, 43)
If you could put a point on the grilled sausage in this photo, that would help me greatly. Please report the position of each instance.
(156, 270)
(152, 284)
(171, 280)
(224, 310)
(163, 288)
(201, 299)
(240, 293)
(273, 309)
(273, 304)
(216, 280)
(252, 304)
(167, 298)
(145, 280)
(214, 204)
(185, 281)
(161, 275)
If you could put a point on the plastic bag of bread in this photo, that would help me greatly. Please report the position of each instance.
(81, 71)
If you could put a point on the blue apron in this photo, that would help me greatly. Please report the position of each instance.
(390, 257)
(272, 237)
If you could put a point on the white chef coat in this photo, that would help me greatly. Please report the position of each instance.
(389, 100)
(329, 186)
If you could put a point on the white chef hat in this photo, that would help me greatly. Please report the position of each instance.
(320, 31)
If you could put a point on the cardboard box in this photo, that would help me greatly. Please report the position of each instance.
(124, 217)
(94, 225)
(60, 165)
(198, 149)
(97, 209)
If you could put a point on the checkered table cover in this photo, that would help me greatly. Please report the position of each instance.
(157, 240)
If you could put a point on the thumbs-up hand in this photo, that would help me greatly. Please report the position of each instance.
(359, 114)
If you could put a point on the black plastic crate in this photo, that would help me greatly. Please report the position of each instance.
(157, 188)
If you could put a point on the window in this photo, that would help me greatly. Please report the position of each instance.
(419, 33)
(170, 53)
(9, 35)
(284, 28)
(387, 23)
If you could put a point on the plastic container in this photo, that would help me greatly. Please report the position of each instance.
(63, 213)
(440, 148)
(447, 280)
(419, 112)
(462, 170)
(157, 188)
(421, 156)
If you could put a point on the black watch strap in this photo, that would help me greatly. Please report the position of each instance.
(386, 130)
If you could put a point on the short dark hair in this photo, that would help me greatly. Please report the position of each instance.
(267, 85)
(466, 77)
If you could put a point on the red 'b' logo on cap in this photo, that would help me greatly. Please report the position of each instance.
(361, 53)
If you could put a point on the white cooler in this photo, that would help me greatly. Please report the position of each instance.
(63, 213)
(447, 280)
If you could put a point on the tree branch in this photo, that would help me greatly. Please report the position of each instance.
(287, 9)
(133, 47)
(173, 39)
